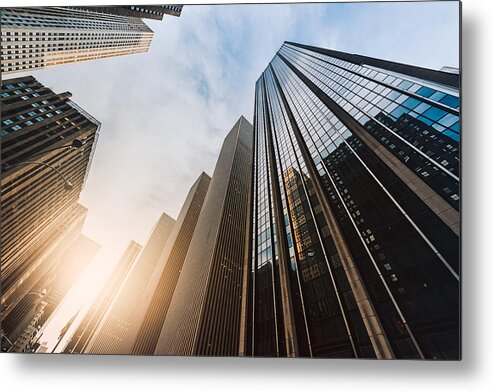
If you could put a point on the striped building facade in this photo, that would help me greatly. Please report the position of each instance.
(355, 226)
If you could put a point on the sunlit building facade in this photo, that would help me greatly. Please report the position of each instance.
(355, 210)
(61, 277)
(153, 308)
(42, 177)
(35, 38)
(111, 336)
(23, 309)
(97, 314)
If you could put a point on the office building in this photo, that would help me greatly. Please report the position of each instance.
(35, 38)
(111, 335)
(47, 146)
(97, 313)
(42, 174)
(152, 310)
(205, 310)
(355, 216)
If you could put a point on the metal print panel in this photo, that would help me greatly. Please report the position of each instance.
(328, 227)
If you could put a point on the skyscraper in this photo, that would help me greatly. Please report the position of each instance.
(47, 146)
(355, 229)
(99, 309)
(204, 314)
(34, 38)
(152, 310)
(111, 335)
(40, 179)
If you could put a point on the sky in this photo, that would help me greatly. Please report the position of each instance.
(165, 113)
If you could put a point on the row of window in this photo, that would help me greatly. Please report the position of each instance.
(373, 98)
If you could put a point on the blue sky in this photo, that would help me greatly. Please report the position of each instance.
(165, 113)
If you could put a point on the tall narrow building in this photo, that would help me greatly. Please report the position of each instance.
(35, 38)
(47, 146)
(204, 314)
(152, 309)
(111, 335)
(355, 216)
(96, 314)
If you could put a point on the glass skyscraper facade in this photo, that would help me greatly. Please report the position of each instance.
(355, 209)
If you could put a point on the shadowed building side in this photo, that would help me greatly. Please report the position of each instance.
(204, 314)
